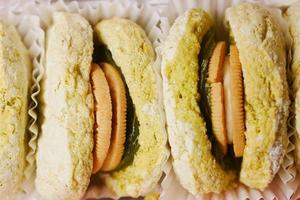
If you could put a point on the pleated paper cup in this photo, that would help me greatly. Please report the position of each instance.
(28, 27)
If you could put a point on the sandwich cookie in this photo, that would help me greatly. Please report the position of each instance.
(257, 36)
(226, 111)
(106, 118)
(103, 116)
(118, 124)
(138, 145)
(232, 126)
(189, 81)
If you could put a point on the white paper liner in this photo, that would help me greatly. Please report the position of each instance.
(285, 183)
(94, 11)
(32, 35)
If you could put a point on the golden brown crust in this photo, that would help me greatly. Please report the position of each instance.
(67, 108)
(15, 68)
(194, 164)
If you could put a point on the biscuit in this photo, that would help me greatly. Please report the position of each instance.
(262, 53)
(15, 67)
(190, 146)
(133, 53)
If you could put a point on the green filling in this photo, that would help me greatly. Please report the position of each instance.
(102, 54)
(132, 133)
(228, 161)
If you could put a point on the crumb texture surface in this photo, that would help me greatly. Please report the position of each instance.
(261, 48)
(15, 66)
(193, 162)
(64, 156)
(133, 53)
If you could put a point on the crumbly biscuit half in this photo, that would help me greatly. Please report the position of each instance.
(64, 157)
(15, 73)
(262, 53)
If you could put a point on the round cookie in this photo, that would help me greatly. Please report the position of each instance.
(218, 115)
(237, 102)
(119, 106)
(215, 70)
(103, 116)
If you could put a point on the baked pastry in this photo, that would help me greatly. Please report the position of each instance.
(226, 111)
(263, 57)
(122, 109)
(131, 52)
(64, 155)
(15, 67)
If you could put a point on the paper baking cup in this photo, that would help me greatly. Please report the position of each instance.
(32, 36)
(285, 183)
(94, 11)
